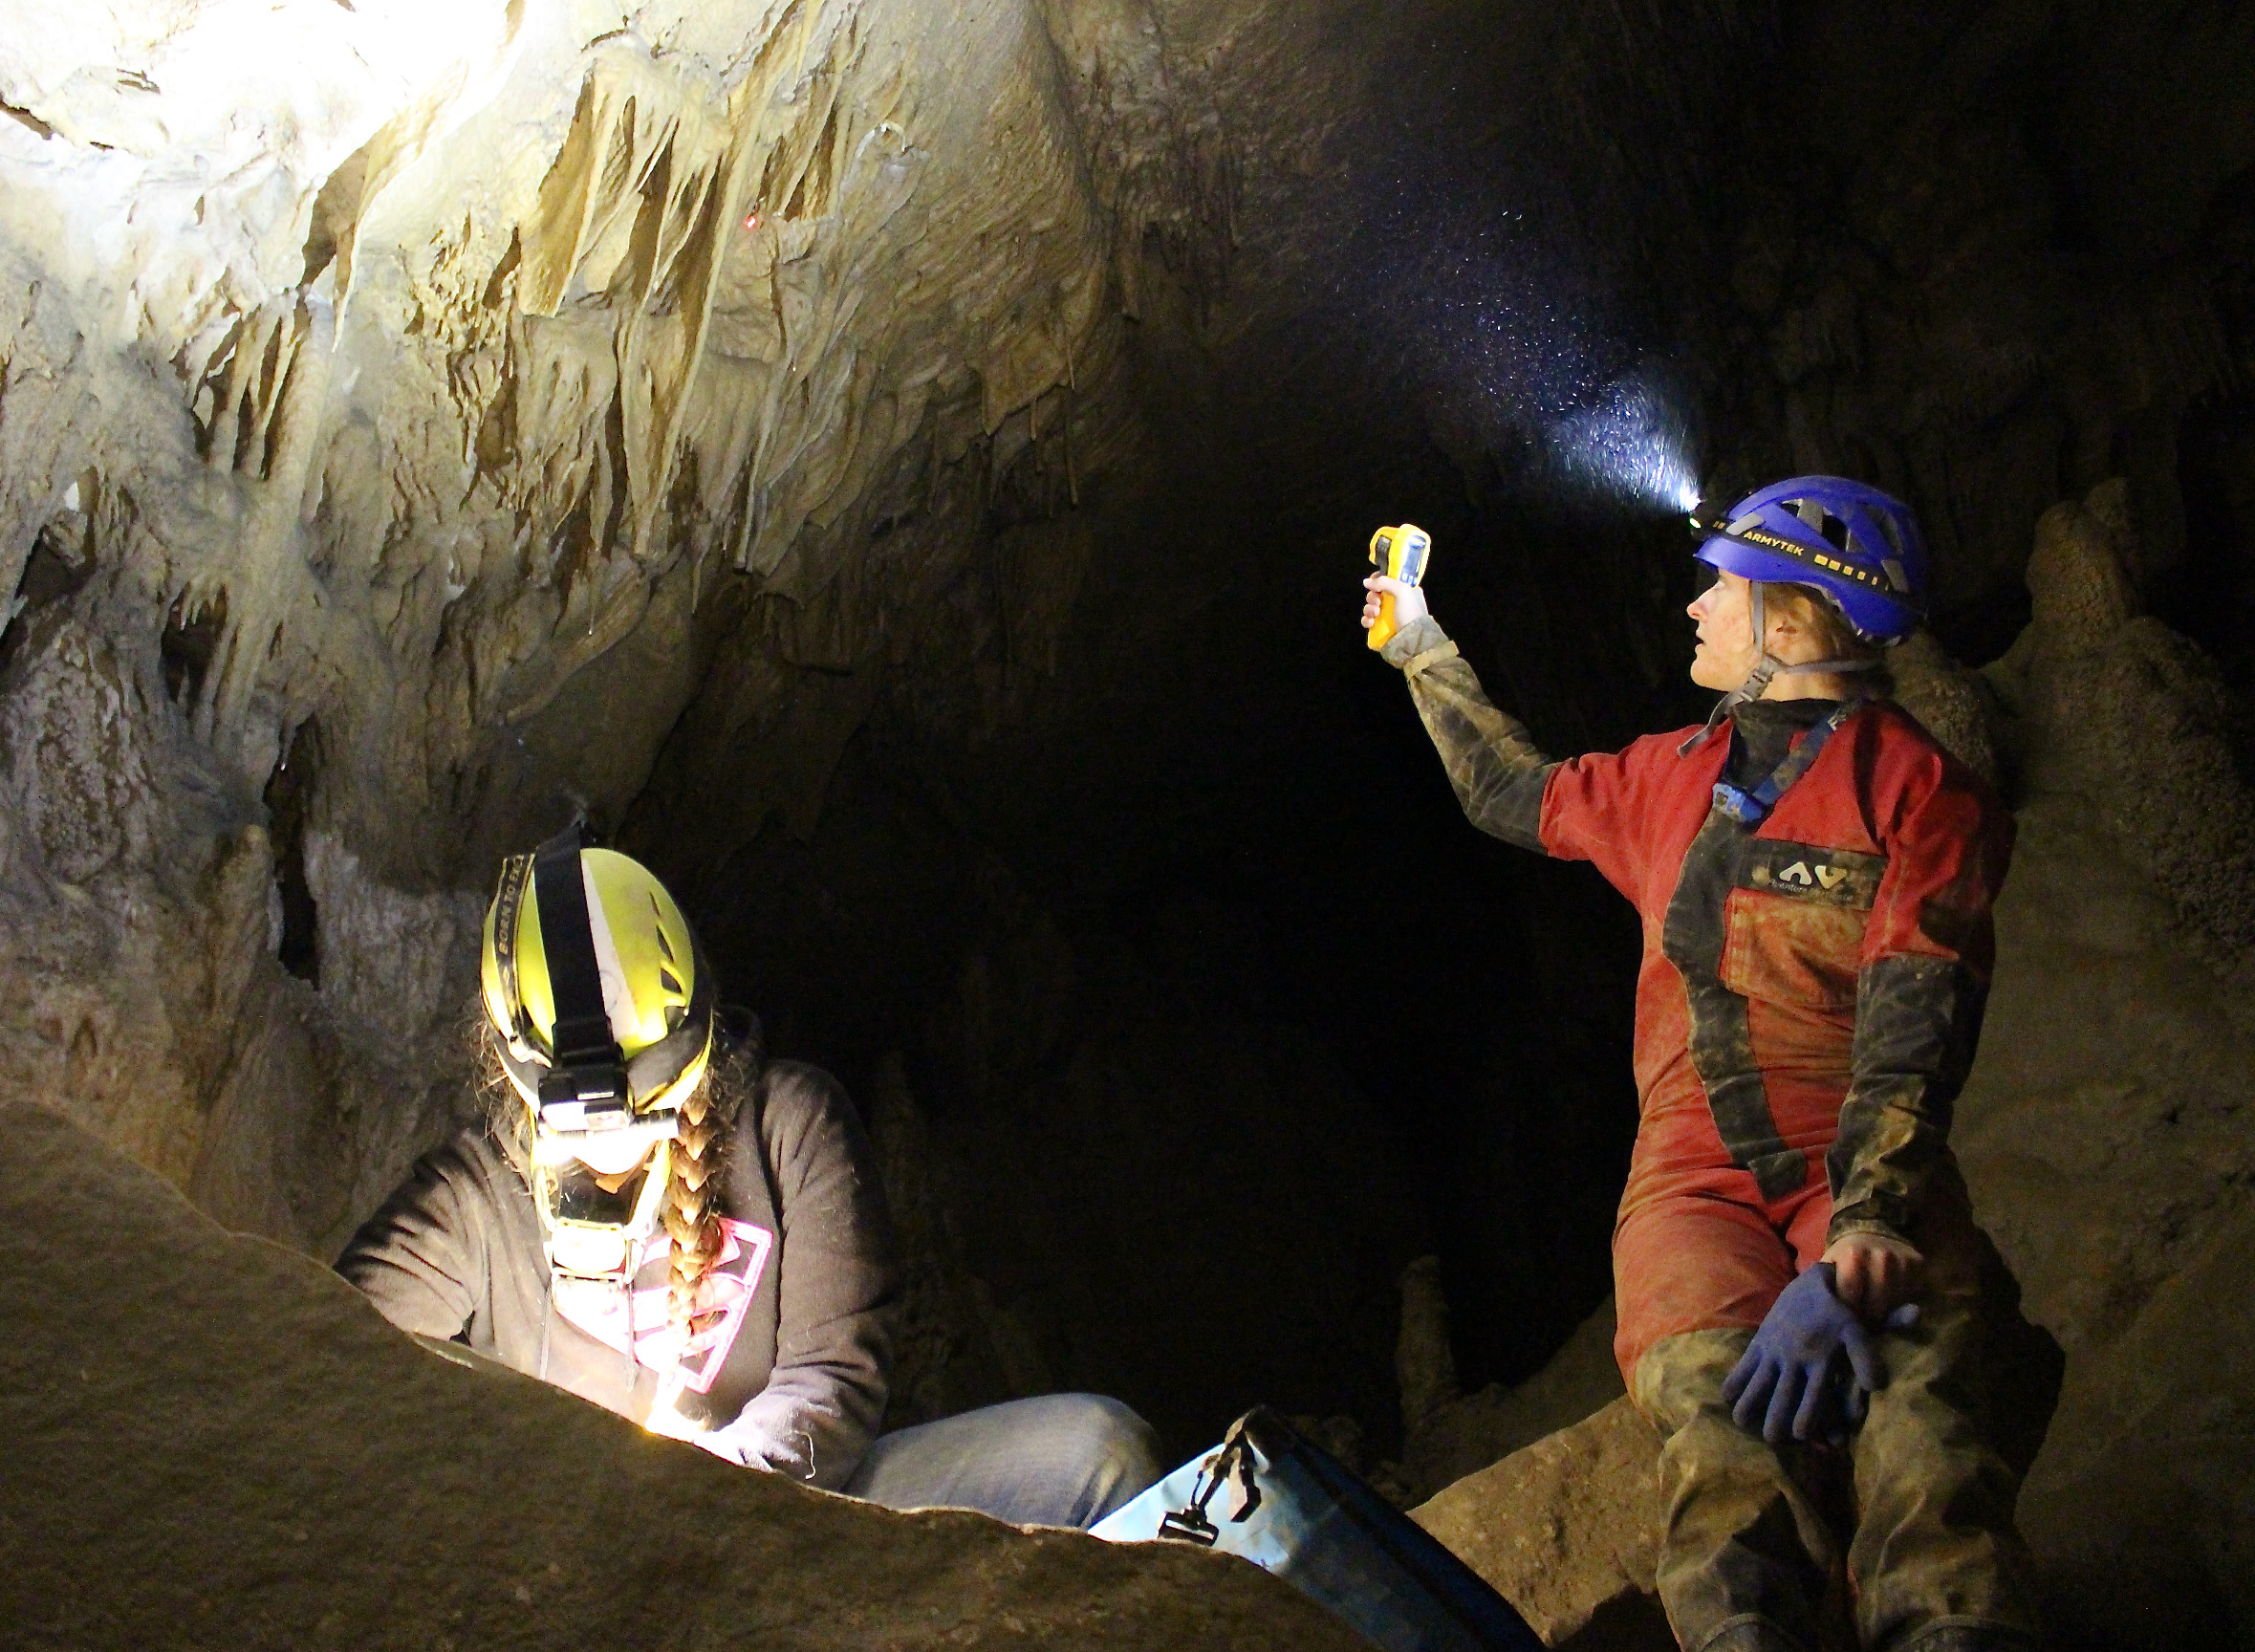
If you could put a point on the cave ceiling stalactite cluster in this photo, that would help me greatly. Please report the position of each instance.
(711, 309)
(899, 467)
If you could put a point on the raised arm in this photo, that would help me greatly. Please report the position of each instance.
(1498, 772)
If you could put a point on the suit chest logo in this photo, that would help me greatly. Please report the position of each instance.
(1806, 871)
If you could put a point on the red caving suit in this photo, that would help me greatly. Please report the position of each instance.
(1807, 1009)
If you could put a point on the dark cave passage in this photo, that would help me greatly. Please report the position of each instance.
(1220, 1011)
(1216, 1010)
(1333, 1017)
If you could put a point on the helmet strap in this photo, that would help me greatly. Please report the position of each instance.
(508, 900)
(1766, 669)
(587, 1075)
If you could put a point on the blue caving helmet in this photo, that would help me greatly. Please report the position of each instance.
(1858, 546)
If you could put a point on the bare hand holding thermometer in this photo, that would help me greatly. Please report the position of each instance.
(1399, 556)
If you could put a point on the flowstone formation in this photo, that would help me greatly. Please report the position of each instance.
(372, 374)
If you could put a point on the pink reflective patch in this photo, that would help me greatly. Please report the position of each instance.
(601, 1310)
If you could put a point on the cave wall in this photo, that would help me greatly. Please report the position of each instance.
(361, 397)
(2006, 262)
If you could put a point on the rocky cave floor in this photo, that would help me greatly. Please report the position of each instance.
(901, 468)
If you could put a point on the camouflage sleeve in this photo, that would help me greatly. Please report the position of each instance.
(1919, 997)
(1498, 774)
(1916, 1022)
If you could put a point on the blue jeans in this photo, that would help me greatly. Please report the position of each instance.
(1058, 1460)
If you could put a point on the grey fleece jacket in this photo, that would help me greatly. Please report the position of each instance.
(456, 1253)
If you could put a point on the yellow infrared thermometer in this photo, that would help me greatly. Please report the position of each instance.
(1399, 554)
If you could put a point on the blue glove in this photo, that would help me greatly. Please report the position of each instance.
(1788, 1383)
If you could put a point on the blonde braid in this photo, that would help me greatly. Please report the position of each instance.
(692, 1202)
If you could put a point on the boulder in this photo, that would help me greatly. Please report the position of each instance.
(2109, 706)
(1568, 1529)
(1448, 1434)
(1955, 704)
(213, 1441)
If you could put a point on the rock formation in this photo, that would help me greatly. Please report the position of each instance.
(215, 1441)
(400, 446)
(1569, 1530)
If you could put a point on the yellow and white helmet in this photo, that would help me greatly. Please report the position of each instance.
(598, 992)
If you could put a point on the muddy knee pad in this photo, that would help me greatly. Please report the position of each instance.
(1937, 1560)
(1746, 1554)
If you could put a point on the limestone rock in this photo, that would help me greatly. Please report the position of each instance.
(420, 372)
(2160, 725)
(1952, 703)
(2082, 589)
(2108, 1153)
(2141, 1510)
(953, 1347)
(1568, 1529)
(2118, 711)
(1448, 1434)
(1424, 1365)
(214, 1441)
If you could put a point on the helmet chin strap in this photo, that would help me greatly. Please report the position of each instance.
(1766, 669)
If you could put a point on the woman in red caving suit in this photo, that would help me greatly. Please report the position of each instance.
(1795, 1261)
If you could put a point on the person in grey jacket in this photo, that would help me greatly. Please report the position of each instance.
(665, 1223)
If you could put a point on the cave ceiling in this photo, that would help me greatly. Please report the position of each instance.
(415, 361)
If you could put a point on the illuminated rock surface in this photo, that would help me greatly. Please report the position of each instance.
(1570, 1528)
(213, 1441)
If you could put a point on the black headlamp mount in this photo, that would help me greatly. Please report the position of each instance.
(578, 1079)
(585, 1085)
(582, 1084)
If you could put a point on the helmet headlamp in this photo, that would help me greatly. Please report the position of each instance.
(602, 1008)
